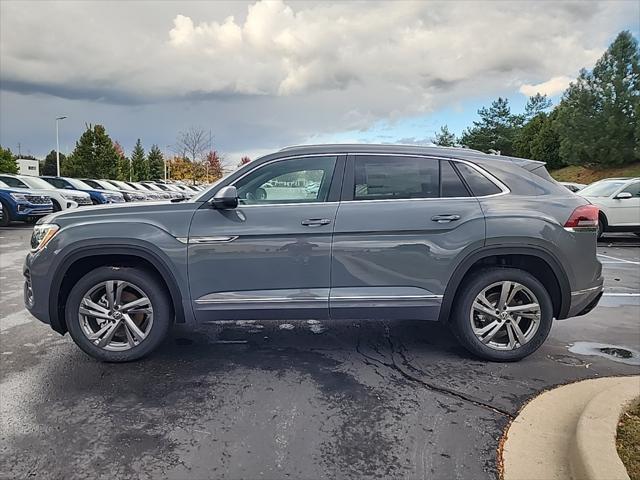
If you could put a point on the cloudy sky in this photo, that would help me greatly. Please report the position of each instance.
(269, 73)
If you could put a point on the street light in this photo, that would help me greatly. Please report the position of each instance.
(58, 146)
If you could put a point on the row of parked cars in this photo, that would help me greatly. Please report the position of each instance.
(618, 200)
(26, 198)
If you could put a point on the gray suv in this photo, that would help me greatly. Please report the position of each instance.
(490, 245)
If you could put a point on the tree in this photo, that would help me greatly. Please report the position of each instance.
(193, 143)
(124, 167)
(181, 168)
(50, 164)
(139, 165)
(155, 160)
(444, 137)
(536, 105)
(7, 161)
(244, 160)
(213, 166)
(495, 131)
(538, 139)
(94, 155)
(599, 113)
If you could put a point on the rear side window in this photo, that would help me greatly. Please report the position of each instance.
(479, 184)
(388, 177)
(451, 184)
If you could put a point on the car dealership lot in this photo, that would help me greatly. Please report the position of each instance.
(283, 399)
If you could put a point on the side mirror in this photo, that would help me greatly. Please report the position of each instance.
(226, 198)
(623, 195)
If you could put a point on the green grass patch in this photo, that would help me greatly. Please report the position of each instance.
(578, 174)
(628, 441)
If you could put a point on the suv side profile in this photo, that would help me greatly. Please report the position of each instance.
(490, 245)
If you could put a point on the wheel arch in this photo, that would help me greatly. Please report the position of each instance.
(537, 261)
(78, 263)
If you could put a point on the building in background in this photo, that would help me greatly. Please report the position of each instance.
(28, 166)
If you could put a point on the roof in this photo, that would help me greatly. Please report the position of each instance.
(436, 151)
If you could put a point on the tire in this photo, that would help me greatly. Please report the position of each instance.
(602, 226)
(56, 206)
(5, 218)
(492, 279)
(138, 283)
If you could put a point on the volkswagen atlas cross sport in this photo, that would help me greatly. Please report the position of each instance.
(490, 245)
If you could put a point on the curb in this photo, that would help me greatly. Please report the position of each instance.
(593, 455)
(554, 436)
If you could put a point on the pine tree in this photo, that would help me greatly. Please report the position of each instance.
(94, 155)
(139, 165)
(536, 105)
(155, 160)
(444, 137)
(50, 164)
(7, 161)
(599, 113)
(495, 131)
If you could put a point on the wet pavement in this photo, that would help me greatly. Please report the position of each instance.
(300, 400)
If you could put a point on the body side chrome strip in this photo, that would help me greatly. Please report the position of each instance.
(318, 299)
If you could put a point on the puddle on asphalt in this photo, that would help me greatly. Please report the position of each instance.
(615, 353)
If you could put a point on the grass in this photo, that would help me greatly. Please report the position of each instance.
(578, 174)
(628, 441)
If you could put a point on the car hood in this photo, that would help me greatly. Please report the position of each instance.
(28, 191)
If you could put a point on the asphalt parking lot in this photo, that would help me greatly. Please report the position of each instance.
(298, 400)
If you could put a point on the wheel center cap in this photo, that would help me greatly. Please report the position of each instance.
(117, 315)
(504, 315)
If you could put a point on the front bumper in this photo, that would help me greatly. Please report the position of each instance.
(583, 301)
(36, 299)
(26, 210)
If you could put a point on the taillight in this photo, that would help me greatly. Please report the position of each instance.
(583, 217)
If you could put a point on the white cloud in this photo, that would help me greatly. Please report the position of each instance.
(551, 87)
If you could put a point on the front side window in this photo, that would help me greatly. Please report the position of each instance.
(297, 180)
(388, 177)
(633, 189)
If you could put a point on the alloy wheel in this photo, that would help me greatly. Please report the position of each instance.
(115, 315)
(505, 315)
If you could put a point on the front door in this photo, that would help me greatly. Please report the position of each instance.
(402, 224)
(271, 256)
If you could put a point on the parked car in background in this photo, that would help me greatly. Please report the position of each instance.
(491, 246)
(151, 194)
(619, 202)
(574, 187)
(138, 194)
(22, 205)
(172, 192)
(109, 187)
(62, 200)
(97, 196)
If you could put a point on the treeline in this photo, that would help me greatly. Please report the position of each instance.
(596, 123)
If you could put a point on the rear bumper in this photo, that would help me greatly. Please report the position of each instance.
(583, 301)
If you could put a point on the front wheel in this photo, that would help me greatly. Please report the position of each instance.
(5, 217)
(502, 314)
(118, 314)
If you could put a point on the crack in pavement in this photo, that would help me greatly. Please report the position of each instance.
(430, 386)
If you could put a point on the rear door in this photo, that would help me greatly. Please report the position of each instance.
(402, 224)
(271, 256)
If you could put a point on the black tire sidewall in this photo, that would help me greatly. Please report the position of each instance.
(149, 284)
(5, 218)
(467, 293)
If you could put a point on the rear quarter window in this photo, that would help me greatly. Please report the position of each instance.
(480, 185)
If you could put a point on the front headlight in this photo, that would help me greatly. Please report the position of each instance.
(42, 234)
(20, 197)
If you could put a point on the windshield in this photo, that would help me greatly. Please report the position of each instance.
(3, 185)
(122, 185)
(35, 182)
(79, 184)
(604, 188)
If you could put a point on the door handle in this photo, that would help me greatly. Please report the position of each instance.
(445, 218)
(315, 222)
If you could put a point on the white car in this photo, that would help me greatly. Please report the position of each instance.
(619, 203)
(62, 199)
(574, 187)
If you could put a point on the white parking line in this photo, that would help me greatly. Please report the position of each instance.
(621, 260)
(614, 294)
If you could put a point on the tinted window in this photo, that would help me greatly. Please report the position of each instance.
(381, 177)
(56, 182)
(450, 183)
(633, 189)
(13, 182)
(478, 183)
(298, 180)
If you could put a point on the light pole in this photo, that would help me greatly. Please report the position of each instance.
(58, 146)
(167, 164)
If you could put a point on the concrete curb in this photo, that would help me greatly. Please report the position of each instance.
(541, 442)
(594, 455)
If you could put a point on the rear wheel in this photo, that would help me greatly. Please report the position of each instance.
(602, 225)
(118, 314)
(502, 314)
(56, 206)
